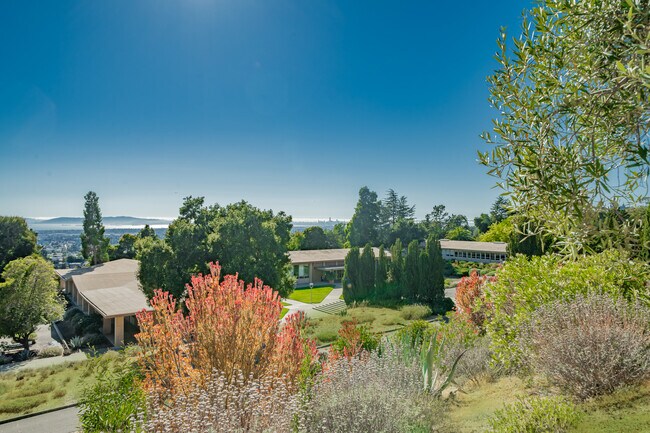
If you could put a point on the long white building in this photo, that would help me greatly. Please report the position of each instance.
(472, 251)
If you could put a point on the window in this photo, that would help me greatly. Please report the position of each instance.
(295, 270)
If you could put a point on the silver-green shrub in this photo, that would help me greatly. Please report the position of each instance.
(590, 345)
(222, 406)
(379, 392)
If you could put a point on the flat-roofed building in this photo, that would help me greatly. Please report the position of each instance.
(109, 289)
(315, 266)
(472, 251)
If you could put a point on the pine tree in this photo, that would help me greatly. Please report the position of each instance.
(351, 275)
(412, 271)
(94, 245)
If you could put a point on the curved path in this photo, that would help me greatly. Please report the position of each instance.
(60, 421)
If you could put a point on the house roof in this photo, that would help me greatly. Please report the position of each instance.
(111, 288)
(489, 247)
(321, 256)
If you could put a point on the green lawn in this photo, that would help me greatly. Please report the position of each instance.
(311, 296)
(284, 310)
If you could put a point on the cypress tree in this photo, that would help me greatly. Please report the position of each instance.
(436, 282)
(94, 245)
(396, 270)
(412, 271)
(381, 274)
(351, 275)
(367, 277)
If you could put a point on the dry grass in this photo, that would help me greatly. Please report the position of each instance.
(325, 328)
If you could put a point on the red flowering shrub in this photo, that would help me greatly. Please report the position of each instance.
(228, 328)
(352, 340)
(470, 290)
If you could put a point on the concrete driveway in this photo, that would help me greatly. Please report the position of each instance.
(60, 421)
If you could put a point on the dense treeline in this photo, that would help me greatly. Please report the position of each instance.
(416, 276)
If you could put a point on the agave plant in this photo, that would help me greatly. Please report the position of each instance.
(75, 342)
(436, 375)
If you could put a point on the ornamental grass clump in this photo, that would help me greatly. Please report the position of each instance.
(379, 391)
(591, 345)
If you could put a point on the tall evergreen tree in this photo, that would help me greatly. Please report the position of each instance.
(363, 228)
(351, 276)
(411, 276)
(381, 274)
(367, 278)
(147, 232)
(436, 280)
(94, 245)
(499, 210)
(397, 267)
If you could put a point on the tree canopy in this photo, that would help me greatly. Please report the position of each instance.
(241, 237)
(363, 228)
(28, 297)
(16, 240)
(572, 134)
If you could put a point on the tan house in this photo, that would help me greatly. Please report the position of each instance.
(110, 290)
(316, 266)
(472, 251)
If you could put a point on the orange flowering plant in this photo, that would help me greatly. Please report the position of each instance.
(470, 297)
(229, 327)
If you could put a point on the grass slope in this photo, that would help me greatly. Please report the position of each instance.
(626, 411)
(34, 390)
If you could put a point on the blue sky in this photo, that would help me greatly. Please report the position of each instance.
(291, 105)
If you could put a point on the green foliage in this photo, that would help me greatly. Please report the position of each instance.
(525, 284)
(94, 245)
(17, 240)
(572, 134)
(125, 249)
(363, 227)
(498, 232)
(459, 234)
(482, 222)
(353, 338)
(411, 273)
(415, 333)
(114, 401)
(351, 276)
(367, 274)
(147, 232)
(381, 274)
(241, 237)
(315, 238)
(535, 415)
(28, 297)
